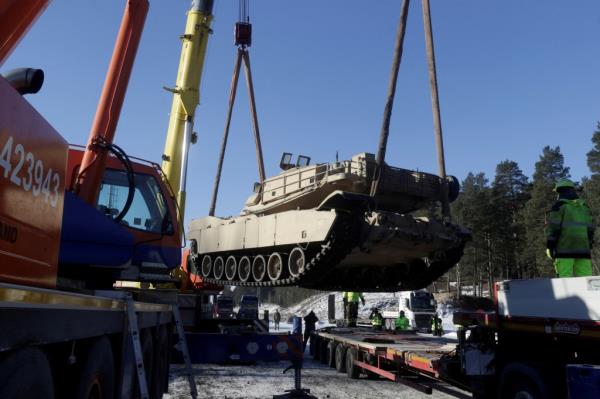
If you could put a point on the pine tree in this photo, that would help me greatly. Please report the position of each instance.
(548, 170)
(509, 194)
(472, 210)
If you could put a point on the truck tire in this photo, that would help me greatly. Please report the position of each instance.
(161, 364)
(323, 350)
(26, 374)
(148, 356)
(352, 370)
(521, 380)
(340, 358)
(97, 378)
(315, 345)
(331, 354)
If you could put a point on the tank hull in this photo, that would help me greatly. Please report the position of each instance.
(340, 245)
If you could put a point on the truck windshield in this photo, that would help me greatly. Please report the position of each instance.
(148, 210)
(419, 302)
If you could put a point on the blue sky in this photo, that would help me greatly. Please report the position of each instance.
(513, 76)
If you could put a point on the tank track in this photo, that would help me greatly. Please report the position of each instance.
(320, 272)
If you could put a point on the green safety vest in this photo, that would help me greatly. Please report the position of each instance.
(377, 320)
(402, 323)
(569, 228)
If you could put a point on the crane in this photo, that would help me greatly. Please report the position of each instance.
(186, 96)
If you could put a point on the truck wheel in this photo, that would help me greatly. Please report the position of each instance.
(161, 364)
(148, 356)
(331, 354)
(97, 378)
(26, 374)
(323, 349)
(315, 346)
(352, 370)
(522, 381)
(340, 358)
(388, 325)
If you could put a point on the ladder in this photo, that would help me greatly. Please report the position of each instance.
(134, 333)
(183, 348)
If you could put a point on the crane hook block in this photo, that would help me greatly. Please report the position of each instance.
(243, 34)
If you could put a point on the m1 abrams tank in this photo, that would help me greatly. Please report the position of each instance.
(316, 226)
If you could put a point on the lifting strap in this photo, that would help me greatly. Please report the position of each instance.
(243, 39)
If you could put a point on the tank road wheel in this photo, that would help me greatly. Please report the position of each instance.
(206, 266)
(275, 266)
(219, 267)
(259, 268)
(244, 268)
(296, 262)
(230, 267)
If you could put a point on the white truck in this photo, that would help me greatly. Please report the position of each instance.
(418, 306)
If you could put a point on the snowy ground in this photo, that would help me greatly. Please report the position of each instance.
(263, 380)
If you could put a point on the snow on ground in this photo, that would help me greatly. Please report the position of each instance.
(263, 380)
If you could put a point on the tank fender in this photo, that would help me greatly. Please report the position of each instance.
(346, 200)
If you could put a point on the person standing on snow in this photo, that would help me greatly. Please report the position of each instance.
(310, 321)
(277, 319)
(569, 232)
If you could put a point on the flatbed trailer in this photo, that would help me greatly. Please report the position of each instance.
(405, 357)
(74, 345)
(540, 340)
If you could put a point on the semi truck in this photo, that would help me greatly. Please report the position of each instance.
(540, 340)
(418, 307)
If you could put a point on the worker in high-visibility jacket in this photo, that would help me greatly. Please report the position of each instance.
(351, 306)
(376, 319)
(402, 323)
(569, 232)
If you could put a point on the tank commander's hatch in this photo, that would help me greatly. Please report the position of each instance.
(286, 161)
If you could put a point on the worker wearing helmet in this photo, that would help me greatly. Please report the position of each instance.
(376, 319)
(351, 299)
(569, 232)
(402, 322)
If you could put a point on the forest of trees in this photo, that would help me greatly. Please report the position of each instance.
(507, 215)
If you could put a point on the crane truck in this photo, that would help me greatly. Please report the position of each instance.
(75, 220)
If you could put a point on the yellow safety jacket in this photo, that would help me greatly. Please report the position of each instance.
(377, 320)
(569, 229)
(353, 297)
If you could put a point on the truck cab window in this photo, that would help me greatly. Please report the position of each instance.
(148, 210)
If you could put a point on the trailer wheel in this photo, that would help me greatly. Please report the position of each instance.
(161, 365)
(323, 349)
(97, 378)
(352, 370)
(331, 346)
(26, 374)
(148, 356)
(522, 381)
(340, 358)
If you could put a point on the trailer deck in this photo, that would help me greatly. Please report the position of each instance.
(400, 357)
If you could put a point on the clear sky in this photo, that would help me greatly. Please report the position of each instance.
(513, 76)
